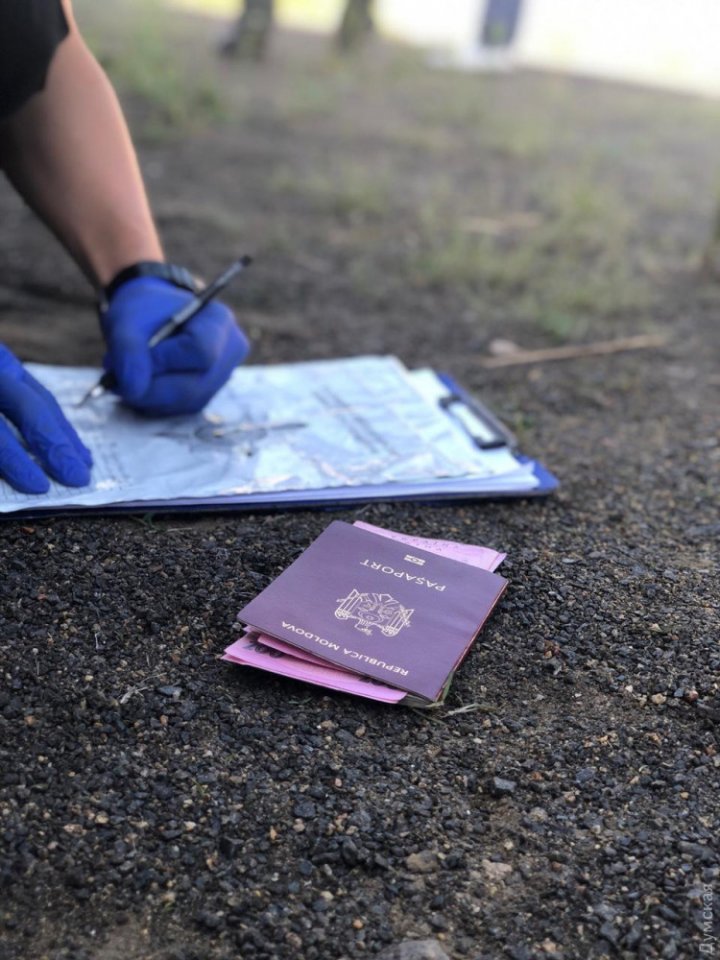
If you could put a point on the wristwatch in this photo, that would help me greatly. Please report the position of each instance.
(179, 276)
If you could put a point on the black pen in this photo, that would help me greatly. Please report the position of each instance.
(175, 322)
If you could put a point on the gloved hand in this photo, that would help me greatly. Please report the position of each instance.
(42, 425)
(180, 374)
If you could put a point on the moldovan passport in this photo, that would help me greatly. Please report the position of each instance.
(374, 606)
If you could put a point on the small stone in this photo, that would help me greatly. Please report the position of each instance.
(519, 951)
(585, 775)
(304, 809)
(658, 699)
(609, 932)
(696, 851)
(424, 862)
(211, 921)
(349, 851)
(360, 819)
(501, 787)
(496, 872)
(229, 847)
(413, 950)
(605, 911)
(500, 347)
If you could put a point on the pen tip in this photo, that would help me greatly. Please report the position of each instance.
(246, 260)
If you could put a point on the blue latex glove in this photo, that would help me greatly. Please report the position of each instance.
(180, 374)
(47, 435)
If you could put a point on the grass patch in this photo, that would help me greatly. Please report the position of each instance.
(310, 95)
(561, 268)
(150, 62)
(352, 194)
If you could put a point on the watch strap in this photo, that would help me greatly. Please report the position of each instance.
(179, 276)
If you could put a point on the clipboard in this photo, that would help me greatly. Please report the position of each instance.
(450, 416)
(480, 423)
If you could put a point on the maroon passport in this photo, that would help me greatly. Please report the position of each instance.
(378, 607)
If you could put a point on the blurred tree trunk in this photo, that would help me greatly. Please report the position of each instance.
(356, 24)
(248, 38)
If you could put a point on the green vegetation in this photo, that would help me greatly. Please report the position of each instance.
(560, 265)
(401, 178)
(150, 60)
(349, 194)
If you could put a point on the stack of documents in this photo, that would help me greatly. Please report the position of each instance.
(298, 434)
(373, 613)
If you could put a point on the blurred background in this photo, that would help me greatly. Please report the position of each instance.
(543, 171)
(657, 42)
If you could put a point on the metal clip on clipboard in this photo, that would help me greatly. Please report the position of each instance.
(478, 422)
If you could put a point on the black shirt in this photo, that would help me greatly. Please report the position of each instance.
(30, 32)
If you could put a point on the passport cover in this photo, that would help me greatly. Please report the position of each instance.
(375, 606)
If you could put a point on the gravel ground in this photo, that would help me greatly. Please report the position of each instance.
(157, 804)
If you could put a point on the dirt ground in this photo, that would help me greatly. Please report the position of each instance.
(157, 803)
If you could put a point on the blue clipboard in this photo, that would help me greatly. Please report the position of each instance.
(509, 474)
(486, 430)
(489, 432)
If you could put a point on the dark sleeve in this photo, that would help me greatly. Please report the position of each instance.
(30, 32)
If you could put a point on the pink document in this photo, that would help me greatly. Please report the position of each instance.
(252, 652)
(291, 651)
(482, 557)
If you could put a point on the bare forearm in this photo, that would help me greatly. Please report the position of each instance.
(69, 154)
